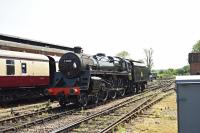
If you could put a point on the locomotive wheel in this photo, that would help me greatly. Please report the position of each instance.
(103, 95)
(83, 100)
(138, 88)
(135, 90)
(96, 99)
(112, 94)
(122, 92)
(143, 86)
(132, 90)
(62, 103)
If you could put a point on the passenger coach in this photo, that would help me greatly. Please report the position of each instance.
(23, 74)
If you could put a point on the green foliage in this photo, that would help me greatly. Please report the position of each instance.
(123, 54)
(121, 129)
(173, 72)
(180, 71)
(186, 69)
(161, 71)
(196, 47)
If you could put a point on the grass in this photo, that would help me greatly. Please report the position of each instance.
(120, 129)
(161, 119)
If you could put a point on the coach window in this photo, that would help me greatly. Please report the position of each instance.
(24, 70)
(10, 65)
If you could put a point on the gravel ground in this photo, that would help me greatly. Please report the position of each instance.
(160, 118)
(51, 125)
(25, 109)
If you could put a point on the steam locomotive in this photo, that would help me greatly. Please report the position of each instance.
(82, 78)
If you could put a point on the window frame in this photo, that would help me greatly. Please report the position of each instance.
(24, 68)
(10, 67)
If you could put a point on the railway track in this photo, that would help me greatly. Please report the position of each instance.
(17, 108)
(25, 109)
(133, 113)
(36, 117)
(26, 120)
(41, 116)
(106, 120)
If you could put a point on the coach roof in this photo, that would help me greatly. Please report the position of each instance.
(33, 42)
(22, 55)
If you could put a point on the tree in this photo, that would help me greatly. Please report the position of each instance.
(186, 69)
(123, 54)
(183, 71)
(180, 71)
(171, 71)
(196, 47)
(161, 71)
(149, 58)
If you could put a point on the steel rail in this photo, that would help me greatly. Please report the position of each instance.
(106, 111)
(16, 120)
(71, 126)
(133, 113)
(37, 121)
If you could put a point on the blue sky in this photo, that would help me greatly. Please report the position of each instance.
(170, 27)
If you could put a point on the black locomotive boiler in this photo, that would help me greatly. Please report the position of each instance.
(96, 78)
